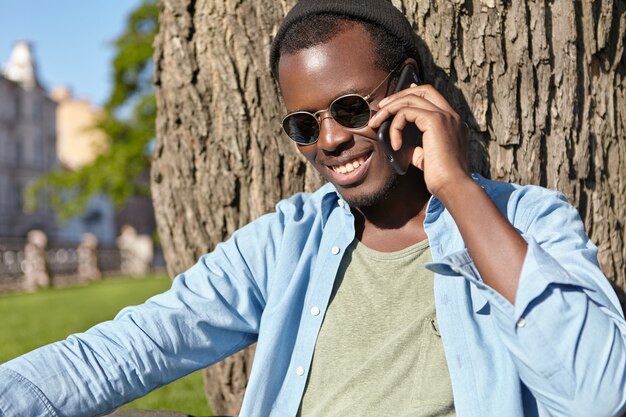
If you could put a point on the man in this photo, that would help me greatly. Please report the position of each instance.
(511, 318)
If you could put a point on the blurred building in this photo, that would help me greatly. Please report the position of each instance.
(79, 143)
(40, 132)
(27, 142)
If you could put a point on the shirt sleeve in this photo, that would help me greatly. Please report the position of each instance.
(212, 311)
(566, 332)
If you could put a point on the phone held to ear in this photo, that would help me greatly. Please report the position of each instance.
(411, 135)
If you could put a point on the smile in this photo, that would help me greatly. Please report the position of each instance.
(351, 172)
(349, 166)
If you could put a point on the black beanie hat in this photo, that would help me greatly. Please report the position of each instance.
(379, 12)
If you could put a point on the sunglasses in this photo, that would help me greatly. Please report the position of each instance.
(351, 111)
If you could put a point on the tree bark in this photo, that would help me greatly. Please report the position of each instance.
(542, 85)
(220, 159)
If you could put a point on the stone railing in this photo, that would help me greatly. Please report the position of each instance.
(11, 263)
(32, 263)
(27, 265)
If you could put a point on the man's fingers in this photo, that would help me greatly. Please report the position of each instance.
(403, 117)
(394, 107)
(418, 158)
(425, 91)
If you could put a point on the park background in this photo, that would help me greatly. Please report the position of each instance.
(541, 84)
(59, 108)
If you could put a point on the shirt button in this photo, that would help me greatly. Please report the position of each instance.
(521, 322)
(315, 311)
(341, 203)
(300, 371)
(335, 250)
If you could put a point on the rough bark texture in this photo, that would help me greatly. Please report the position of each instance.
(220, 159)
(542, 85)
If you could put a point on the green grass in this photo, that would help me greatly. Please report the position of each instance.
(28, 321)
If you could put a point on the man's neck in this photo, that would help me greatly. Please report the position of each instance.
(397, 221)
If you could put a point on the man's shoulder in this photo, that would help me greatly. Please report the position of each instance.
(508, 191)
(525, 203)
(307, 201)
(300, 209)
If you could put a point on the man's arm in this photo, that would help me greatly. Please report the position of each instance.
(566, 333)
(494, 245)
(555, 311)
(211, 311)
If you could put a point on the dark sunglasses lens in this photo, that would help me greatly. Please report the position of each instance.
(351, 111)
(302, 128)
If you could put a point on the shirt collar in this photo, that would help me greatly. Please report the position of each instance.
(329, 200)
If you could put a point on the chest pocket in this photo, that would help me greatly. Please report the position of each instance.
(432, 388)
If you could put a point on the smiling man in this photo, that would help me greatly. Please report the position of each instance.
(432, 293)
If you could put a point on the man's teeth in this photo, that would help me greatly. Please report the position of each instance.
(349, 166)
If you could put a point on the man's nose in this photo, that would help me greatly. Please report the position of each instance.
(332, 134)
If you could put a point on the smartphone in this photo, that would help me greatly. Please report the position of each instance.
(411, 135)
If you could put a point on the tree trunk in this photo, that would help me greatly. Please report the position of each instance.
(542, 85)
(220, 159)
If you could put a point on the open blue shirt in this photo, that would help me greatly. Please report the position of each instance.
(559, 351)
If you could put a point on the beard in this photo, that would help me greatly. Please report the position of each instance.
(375, 198)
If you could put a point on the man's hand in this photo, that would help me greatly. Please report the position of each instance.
(442, 153)
(495, 246)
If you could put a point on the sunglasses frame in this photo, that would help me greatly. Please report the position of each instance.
(315, 115)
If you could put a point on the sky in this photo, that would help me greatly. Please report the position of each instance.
(71, 39)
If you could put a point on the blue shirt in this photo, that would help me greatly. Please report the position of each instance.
(558, 351)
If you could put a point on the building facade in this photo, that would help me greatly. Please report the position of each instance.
(41, 132)
(78, 143)
(27, 143)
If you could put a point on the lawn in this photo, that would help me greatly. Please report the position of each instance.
(28, 321)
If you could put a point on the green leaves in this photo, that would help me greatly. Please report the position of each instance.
(129, 115)
(132, 65)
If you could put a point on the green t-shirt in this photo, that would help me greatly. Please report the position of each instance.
(379, 352)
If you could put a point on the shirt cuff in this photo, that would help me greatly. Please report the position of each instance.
(539, 271)
(20, 397)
